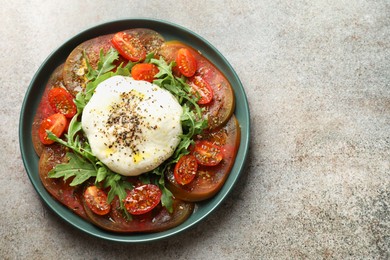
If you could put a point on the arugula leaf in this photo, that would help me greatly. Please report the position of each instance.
(73, 141)
(105, 64)
(149, 57)
(118, 187)
(77, 167)
(103, 72)
(80, 102)
(101, 174)
(166, 198)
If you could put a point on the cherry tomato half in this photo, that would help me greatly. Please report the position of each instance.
(96, 200)
(207, 153)
(185, 169)
(186, 62)
(142, 199)
(56, 124)
(62, 102)
(144, 71)
(128, 46)
(199, 85)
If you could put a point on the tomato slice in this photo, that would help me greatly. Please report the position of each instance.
(199, 85)
(209, 179)
(156, 220)
(55, 123)
(96, 200)
(129, 46)
(207, 153)
(62, 102)
(186, 62)
(185, 169)
(142, 199)
(144, 71)
(70, 196)
(75, 67)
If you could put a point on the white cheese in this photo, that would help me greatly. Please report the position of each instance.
(132, 126)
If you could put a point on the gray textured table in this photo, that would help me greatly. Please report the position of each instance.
(317, 182)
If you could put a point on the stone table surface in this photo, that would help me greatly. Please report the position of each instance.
(317, 180)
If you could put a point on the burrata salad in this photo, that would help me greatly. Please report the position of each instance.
(132, 131)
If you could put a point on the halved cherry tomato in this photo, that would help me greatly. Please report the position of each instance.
(186, 62)
(129, 46)
(207, 153)
(55, 123)
(142, 199)
(185, 169)
(199, 85)
(62, 102)
(96, 200)
(144, 71)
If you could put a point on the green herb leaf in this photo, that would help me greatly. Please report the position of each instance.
(117, 185)
(105, 64)
(166, 197)
(149, 57)
(78, 168)
(82, 98)
(101, 174)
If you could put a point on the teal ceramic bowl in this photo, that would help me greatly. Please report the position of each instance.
(170, 32)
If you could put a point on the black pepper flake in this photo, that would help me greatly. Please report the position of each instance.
(126, 122)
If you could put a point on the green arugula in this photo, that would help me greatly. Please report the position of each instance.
(105, 63)
(103, 72)
(83, 165)
(76, 167)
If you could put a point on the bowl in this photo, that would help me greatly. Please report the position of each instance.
(170, 31)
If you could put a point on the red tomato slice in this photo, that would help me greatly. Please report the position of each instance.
(70, 196)
(185, 169)
(186, 62)
(144, 71)
(96, 200)
(207, 153)
(158, 219)
(129, 46)
(55, 123)
(142, 199)
(199, 85)
(62, 102)
(210, 179)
